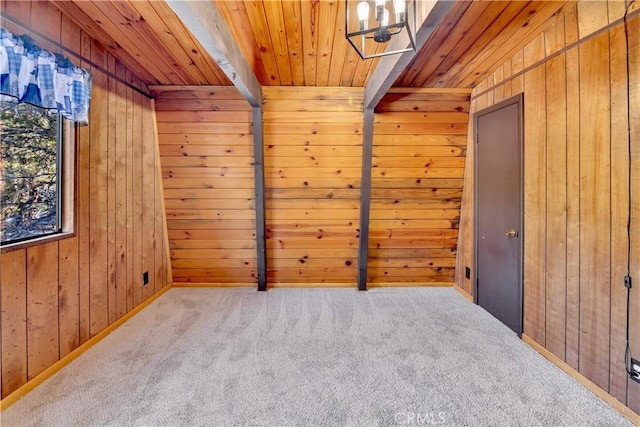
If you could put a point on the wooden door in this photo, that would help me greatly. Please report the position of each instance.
(499, 209)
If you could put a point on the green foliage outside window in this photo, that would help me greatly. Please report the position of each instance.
(29, 175)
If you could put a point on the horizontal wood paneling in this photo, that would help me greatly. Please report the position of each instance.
(312, 162)
(208, 179)
(576, 189)
(57, 295)
(417, 187)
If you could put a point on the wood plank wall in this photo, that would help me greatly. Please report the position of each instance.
(55, 296)
(576, 189)
(206, 151)
(313, 161)
(420, 138)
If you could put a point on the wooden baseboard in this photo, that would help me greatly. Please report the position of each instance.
(410, 285)
(462, 292)
(269, 286)
(602, 394)
(311, 285)
(317, 285)
(213, 285)
(355, 286)
(44, 375)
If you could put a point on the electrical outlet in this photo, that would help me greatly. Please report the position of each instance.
(635, 370)
(145, 278)
(467, 272)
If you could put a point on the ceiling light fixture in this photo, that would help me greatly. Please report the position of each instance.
(368, 39)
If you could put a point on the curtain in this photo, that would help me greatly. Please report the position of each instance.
(31, 74)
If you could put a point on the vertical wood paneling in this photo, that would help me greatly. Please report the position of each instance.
(507, 72)
(68, 296)
(616, 9)
(576, 200)
(55, 295)
(132, 261)
(465, 248)
(138, 206)
(481, 97)
(534, 51)
(556, 202)
(571, 31)
(82, 213)
(42, 307)
(619, 208)
(491, 94)
(554, 37)
(20, 10)
(517, 65)
(499, 93)
(70, 34)
(13, 280)
(161, 260)
(111, 194)
(48, 27)
(572, 335)
(595, 210)
(534, 203)
(634, 85)
(98, 193)
(121, 191)
(148, 185)
(593, 16)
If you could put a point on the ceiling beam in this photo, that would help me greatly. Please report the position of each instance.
(208, 26)
(390, 67)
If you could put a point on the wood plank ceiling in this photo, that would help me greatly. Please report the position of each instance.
(302, 43)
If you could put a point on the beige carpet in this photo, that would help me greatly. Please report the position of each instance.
(403, 356)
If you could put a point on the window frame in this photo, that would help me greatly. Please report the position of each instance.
(66, 174)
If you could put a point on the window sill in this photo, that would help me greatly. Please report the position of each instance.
(37, 241)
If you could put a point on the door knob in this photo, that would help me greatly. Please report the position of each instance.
(511, 233)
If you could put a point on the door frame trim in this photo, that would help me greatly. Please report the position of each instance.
(519, 101)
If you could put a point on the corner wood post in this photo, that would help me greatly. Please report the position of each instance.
(365, 198)
(258, 164)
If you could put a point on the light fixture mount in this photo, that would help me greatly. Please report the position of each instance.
(371, 24)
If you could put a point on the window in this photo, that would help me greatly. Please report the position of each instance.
(32, 173)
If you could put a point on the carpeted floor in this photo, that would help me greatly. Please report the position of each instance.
(399, 356)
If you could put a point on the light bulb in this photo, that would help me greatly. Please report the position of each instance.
(385, 17)
(363, 14)
(380, 10)
(400, 9)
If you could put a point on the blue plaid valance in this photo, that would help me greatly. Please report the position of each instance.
(31, 74)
